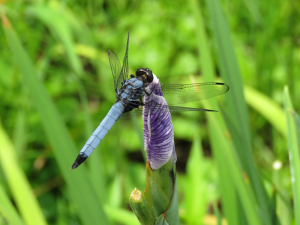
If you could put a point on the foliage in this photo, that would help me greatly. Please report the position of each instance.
(56, 86)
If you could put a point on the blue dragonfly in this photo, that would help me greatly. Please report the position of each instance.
(130, 93)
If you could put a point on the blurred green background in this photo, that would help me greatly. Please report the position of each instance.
(59, 49)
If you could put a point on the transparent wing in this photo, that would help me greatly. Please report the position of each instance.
(157, 108)
(124, 71)
(177, 94)
(119, 73)
(115, 67)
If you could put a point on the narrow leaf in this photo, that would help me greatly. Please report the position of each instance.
(244, 191)
(235, 102)
(59, 26)
(8, 210)
(161, 220)
(293, 136)
(18, 183)
(196, 187)
(217, 214)
(121, 215)
(267, 107)
(228, 191)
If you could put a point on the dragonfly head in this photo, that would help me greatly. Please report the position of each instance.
(145, 75)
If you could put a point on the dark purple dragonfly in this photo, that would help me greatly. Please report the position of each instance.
(129, 98)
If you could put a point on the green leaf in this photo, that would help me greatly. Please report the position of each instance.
(161, 220)
(19, 137)
(217, 214)
(228, 193)
(87, 203)
(19, 186)
(196, 187)
(267, 107)
(234, 167)
(253, 9)
(57, 23)
(115, 192)
(235, 102)
(229, 68)
(172, 216)
(8, 210)
(160, 186)
(285, 209)
(160, 197)
(272, 209)
(293, 136)
(121, 215)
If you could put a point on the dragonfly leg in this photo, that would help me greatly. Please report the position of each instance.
(132, 103)
(140, 102)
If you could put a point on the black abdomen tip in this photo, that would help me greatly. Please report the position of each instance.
(80, 159)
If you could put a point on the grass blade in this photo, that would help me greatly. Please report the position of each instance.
(244, 191)
(217, 214)
(237, 109)
(229, 195)
(195, 186)
(19, 185)
(121, 215)
(293, 131)
(59, 26)
(229, 67)
(19, 137)
(8, 210)
(64, 149)
(268, 108)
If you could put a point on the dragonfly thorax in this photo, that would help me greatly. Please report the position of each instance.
(130, 93)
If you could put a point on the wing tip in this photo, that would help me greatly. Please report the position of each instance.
(79, 160)
(219, 83)
(210, 110)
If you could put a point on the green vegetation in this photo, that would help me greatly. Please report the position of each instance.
(234, 167)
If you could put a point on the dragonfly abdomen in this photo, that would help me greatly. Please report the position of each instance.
(106, 124)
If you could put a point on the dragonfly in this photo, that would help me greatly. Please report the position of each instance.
(130, 92)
